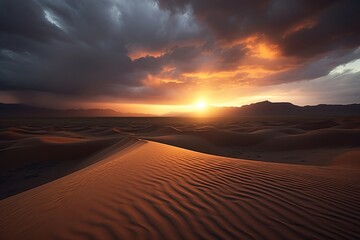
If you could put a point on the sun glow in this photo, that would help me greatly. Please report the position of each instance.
(201, 105)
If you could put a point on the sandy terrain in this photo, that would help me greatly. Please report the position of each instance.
(221, 179)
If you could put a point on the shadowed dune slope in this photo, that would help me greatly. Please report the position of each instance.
(35, 160)
(275, 140)
(156, 191)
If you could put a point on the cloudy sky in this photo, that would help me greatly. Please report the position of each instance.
(157, 56)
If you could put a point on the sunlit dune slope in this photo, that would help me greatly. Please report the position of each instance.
(155, 191)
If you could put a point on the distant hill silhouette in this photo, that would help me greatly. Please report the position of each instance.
(22, 110)
(268, 108)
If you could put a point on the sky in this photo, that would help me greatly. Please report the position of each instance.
(159, 56)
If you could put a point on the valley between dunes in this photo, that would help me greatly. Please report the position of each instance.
(106, 183)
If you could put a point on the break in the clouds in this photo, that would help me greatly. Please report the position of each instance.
(171, 51)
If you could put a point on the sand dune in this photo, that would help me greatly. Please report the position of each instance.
(156, 191)
(122, 179)
(349, 159)
(299, 141)
(32, 161)
(273, 140)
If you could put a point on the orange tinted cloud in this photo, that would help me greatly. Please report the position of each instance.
(306, 24)
(257, 46)
(155, 81)
(265, 50)
(262, 49)
(139, 53)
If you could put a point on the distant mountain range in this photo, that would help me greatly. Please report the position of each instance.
(22, 110)
(268, 108)
(265, 108)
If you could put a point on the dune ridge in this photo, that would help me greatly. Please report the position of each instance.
(33, 160)
(155, 178)
(157, 191)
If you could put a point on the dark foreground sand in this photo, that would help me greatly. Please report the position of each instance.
(109, 179)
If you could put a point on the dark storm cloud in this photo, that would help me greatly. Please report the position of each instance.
(312, 69)
(190, 59)
(315, 33)
(336, 22)
(337, 27)
(60, 54)
(79, 48)
(23, 21)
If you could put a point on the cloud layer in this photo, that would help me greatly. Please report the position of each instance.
(169, 51)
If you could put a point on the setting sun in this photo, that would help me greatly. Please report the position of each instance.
(201, 105)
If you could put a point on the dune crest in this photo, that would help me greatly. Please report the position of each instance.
(156, 191)
(348, 159)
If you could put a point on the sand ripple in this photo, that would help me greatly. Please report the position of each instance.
(155, 191)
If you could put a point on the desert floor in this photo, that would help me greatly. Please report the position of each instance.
(180, 178)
